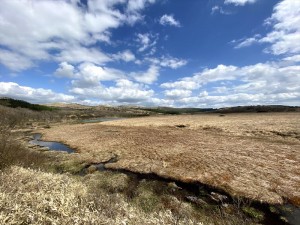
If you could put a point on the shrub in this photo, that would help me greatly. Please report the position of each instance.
(11, 151)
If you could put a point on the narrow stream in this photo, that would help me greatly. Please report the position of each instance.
(288, 211)
(100, 119)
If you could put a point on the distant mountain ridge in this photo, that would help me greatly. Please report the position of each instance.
(175, 111)
(14, 103)
(259, 109)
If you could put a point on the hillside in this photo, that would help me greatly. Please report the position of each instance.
(14, 103)
(259, 109)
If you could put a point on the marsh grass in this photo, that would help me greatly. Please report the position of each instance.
(239, 154)
(110, 182)
(30, 194)
(34, 197)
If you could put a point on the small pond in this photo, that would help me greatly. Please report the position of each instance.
(55, 146)
(100, 119)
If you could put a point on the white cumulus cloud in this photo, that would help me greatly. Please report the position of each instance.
(239, 2)
(285, 20)
(218, 9)
(284, 38)
(124, 92)
(79, 54)
(245, 42)
(146, 41)
(65, 70)
(169, 20)
(15, 61)
(262, 83)
(172, 62)
(126, 56)
(87, 74)
(167, 61)
(134, 8)
(177, 93)
(182, 84)
(294, 58)
(63, 31)
(147, 77)
(36, 95)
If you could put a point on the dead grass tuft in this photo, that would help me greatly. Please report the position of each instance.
(33, 197)
(110, 182)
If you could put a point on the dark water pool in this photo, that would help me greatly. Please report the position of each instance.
(101, 119)
(55, 146)
(292, 214)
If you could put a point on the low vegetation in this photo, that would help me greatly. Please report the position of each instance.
(45, 187)
(13, 103)
(177, 111)
(259, 109)
(249, 155)
(30, 196)
(12, 152)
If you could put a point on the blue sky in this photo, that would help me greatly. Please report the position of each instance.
(196, 53)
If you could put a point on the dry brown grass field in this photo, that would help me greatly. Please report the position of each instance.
(249, 155)
(30, 196)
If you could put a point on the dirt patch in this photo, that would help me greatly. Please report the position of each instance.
(259, 165)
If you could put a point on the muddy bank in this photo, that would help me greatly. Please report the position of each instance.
(202, 195)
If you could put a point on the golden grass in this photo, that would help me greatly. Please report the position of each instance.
(33, 197)
(250, 155)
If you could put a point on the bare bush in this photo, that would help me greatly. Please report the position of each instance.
(11, 151)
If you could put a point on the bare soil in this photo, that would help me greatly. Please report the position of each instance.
(250, 155)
